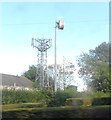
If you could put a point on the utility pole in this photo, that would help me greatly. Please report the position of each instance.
(64, 79)
(55, 61)
(59, 25)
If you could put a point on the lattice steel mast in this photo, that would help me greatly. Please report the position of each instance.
(41, 75)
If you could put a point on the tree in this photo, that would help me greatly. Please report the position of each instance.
(71, 90)
(95, 68)
(65, 74)
(31, 73)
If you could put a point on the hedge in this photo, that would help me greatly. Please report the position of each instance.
(88, 101)
(58, 99)
(23, 96)
(102, 101)
(74, 102)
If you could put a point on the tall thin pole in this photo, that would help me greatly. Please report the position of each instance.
(55, 87)
(59, 25)
(64, 72)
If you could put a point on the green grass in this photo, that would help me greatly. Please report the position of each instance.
(36, 111)
(21, 106)
(38, 106)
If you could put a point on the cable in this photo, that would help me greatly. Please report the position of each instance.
(69, 22)
(12, 24)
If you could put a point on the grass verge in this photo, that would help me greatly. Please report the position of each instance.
(35, 111)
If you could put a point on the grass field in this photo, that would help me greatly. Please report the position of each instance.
(38, 110)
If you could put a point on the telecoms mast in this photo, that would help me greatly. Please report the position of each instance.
(59, 25)
(41, 75)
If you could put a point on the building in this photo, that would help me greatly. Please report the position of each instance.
(16, 82)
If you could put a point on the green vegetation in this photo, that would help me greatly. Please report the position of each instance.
(68, 103)
(95, 68)
(51, 98)
(60, 96)
(23, 96)
(74, 102)
(57, 112)
(93, 94)
(31, 73)
(79, 102)
(102, 101)
(88, 101)
(18, 106)
(60, 104)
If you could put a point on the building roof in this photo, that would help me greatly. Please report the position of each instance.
(11, 80)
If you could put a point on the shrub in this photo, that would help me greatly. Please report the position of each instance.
(74, 101)
(59, 98)
(87, 101)
(79, 102)
(23, 96)
(102, 101)
(92, 94)
(99, 94)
